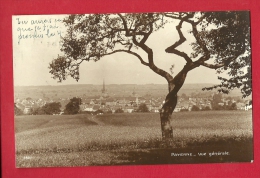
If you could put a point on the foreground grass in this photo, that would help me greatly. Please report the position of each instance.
(131, 139)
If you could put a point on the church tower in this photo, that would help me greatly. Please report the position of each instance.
(104, 92)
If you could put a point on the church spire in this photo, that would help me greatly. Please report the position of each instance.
(104, 91)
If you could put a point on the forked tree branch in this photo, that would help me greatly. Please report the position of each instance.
(143, 46)
(202, 44)
(151, 64)
(125, 25)
(172, 49)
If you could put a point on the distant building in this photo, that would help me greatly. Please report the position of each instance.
(240, 106)
(248, 106)
(128, 109)
(110, 102)
(177, 109)
(115, 108)
(85, 107)
(96, 107)
(104, 92)
(27, 110)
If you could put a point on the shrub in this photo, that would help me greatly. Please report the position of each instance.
(143, 108)
(207, 108)
(51, 108)
(195, 108)
(17, 111)
(73, 106)
(119, 110)
(109, 112)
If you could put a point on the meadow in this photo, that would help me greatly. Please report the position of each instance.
(132, 139)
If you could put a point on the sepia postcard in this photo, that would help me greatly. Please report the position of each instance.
(132, 89)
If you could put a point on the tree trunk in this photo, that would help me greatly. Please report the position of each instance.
(170, 104)
(166, 125)
(165, 115)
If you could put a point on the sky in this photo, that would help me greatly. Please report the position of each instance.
(36, 43)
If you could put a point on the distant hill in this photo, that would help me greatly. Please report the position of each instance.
(119, 90)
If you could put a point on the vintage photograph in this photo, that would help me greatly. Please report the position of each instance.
(132, 89)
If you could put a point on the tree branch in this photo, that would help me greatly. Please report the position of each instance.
(151, 64)
(148, 34)
(142, 45)
(125, 25)
(127, 30)
(129, 52)
(213, 66)
(179, 17)
(200, 19)
(172, 49)
(201, 43)
(174, 17)
(225, 63)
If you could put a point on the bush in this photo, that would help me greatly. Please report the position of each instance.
(233, 106)
(195, 108)
(52, 108)
(143, 108)
(207, 108)
(119, 110)
(17, 111)
(109, 112)
(217, 107)
(48, 109)
(38, 111)
(73, 106)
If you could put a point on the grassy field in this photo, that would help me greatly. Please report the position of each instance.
(126, 139)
